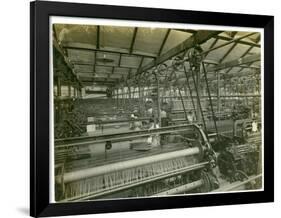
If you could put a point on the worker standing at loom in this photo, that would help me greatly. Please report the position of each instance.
(153, 139)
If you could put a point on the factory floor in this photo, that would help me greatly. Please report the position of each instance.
(222, 125)
(121, 151)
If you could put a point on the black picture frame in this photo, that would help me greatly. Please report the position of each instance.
(40, 11)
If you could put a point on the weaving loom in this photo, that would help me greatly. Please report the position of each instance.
(171, 168)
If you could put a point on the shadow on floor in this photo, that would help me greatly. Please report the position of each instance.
(23, 210)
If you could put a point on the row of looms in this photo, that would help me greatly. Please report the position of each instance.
(147, 112)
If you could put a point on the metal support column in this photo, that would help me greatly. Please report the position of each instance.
(158, 101)
(198, 93)
(124, 97)
(210, 98)
(190, 91)
(218, 92)
(59, 95)
(140, 99)
(117, 98)
(69, 89)
(200, 111)
(129, 98)
(75, 91)
(182, 102)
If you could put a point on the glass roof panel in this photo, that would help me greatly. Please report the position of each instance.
(149, 40)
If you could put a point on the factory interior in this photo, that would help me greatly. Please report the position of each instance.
(149, 112)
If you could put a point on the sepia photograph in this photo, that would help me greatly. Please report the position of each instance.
(147, 109)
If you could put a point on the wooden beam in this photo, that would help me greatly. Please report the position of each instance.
(187, 31)
(65, 60)
(241, 41)
(231, 33)
(236, 62)
(207, 61)
(234, 74)
(95, 62)
(133, 40)
(106, 80)
(243, 55)
(241, 68)
(129, 74)
(249, 67)
(95, 92)
(102, 74)
(228, 52)
(226, 72)
(97, 78)
(225, 38)
(97, 73)
(91, 82)
(140, 63)
(98, 38)
(119, 61)
(83, 47)
(100, 80)
(101, 65)
(247, 51)
(257, 40)
(212, 45)
(109, 74)
(164, 42)
(227, 43)
(198, 38)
